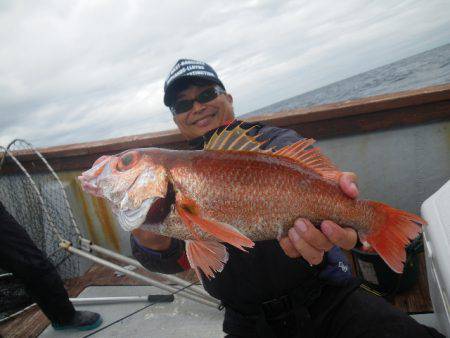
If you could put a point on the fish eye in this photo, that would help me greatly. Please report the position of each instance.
(128, 160)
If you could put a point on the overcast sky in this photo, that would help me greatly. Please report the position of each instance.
(76, 71)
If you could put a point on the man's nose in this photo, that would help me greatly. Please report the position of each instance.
(197, 106)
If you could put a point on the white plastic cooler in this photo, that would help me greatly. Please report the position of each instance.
(436, 211)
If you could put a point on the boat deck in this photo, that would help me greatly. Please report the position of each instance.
(33, 322)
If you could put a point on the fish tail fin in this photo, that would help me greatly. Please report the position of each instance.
(391, 231)
(207, 256)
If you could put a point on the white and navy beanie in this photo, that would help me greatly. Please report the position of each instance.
(186, 69)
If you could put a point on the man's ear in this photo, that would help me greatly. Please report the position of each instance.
(229, 98)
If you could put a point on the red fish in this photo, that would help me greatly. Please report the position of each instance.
(236, 192)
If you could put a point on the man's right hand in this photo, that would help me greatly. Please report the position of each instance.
(151, 240)
(304, 240)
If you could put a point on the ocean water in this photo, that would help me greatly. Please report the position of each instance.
(421, 70)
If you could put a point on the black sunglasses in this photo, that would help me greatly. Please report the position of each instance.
(207, 95)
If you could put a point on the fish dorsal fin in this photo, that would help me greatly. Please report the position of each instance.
(312, 158)
(237, 139)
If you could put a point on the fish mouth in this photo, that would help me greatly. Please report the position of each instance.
(161, 207)
(89, 178)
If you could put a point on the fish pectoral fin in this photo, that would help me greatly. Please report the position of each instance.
(190, 214)
(207, 256)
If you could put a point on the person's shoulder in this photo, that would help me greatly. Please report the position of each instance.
(276, 137)
(263, 128)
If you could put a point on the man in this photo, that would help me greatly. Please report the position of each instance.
(20, 256)
(298, 286)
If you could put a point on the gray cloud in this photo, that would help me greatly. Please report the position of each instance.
(89, 70)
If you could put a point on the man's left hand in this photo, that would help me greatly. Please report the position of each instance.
(305, 240)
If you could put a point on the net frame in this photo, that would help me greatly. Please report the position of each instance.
(31, 202)
(75, 243)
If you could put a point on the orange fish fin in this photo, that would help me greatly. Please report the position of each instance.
(389, 239)
(312, 158)
(207, 256)
(190, 214)
(186, 220)
(237, 139)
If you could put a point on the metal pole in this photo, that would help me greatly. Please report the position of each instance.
(212, 303)
(125, 299)
(135, 263)
(107, 300)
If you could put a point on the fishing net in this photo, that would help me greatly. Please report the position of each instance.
(33, 194)
(36, 198)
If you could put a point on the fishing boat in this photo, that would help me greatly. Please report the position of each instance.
(397, 143)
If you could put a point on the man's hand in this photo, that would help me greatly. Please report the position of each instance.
(305, 240)
(151, 240)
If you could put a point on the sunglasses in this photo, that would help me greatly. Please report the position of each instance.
(205, 96)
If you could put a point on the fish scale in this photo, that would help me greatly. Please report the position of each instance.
(268, 192)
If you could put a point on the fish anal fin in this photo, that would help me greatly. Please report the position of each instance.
(208, 256)
(311, 158)
(190, 213)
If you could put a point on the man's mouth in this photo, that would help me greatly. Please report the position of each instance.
(204, 121)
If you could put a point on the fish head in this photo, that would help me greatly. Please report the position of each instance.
(133, 182)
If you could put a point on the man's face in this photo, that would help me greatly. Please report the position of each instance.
(203, 117)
